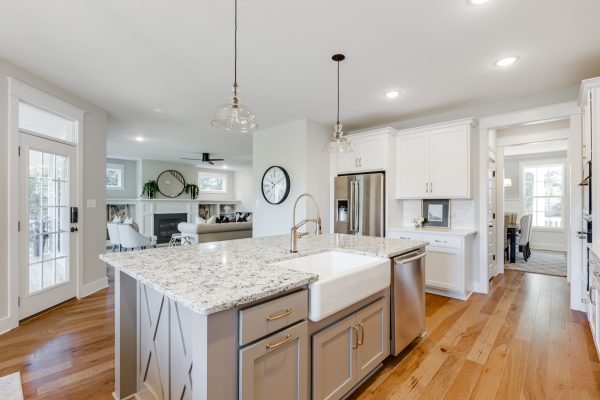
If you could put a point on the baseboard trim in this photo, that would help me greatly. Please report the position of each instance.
(93, 287)
(7, 324)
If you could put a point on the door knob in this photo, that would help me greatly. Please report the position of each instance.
(74, 229)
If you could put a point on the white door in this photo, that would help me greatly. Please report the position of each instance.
(449, 170)
(412, 166)
(48, 189)
(491, 218)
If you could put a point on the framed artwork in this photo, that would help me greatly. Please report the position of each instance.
(436, 213)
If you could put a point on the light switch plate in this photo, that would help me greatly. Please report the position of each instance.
(91, 203)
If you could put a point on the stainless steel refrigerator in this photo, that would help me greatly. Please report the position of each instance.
(359, 204)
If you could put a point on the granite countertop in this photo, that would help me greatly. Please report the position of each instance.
(217, 276)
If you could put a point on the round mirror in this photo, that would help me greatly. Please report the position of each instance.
(170, 183)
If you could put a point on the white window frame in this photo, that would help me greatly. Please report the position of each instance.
(213, 175)
(544, 163)
(121, 168)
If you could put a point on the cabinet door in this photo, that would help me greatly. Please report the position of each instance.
(373, 337)
(275, 367)
(334, 368)
(346, 162)
(412, 166)
(373, 153)
(444, 269)
(450, 172)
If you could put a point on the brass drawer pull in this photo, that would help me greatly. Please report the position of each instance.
(355, 342)
(274, 317)
(361, 338)
(272, 346)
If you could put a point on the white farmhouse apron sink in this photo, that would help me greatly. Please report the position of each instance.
(344, 279)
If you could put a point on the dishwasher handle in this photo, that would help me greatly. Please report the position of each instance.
(407, 259)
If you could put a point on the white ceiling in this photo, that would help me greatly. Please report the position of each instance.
(138, 56)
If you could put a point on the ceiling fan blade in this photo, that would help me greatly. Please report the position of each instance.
(210, 162)
(217, 159)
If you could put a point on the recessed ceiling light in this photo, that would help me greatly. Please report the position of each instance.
(506, 61)
(478, 2)
(139, 139)
(224, 166)
(392, 94)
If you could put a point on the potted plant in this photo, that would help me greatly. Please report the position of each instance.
(149, 189)
(192, 189)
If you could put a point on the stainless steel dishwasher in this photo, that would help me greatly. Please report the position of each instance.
(408, 299)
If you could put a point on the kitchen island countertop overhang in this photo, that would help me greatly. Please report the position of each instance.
(213, 277)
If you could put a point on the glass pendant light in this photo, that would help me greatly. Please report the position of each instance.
(338, 143)
(234, 117)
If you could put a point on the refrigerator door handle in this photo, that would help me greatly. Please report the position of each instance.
(351, 207)
(356, 208)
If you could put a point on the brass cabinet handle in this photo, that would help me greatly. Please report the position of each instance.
(272, 346)
(361, 339)
(355, 337)
(426, 187)
(274, 317)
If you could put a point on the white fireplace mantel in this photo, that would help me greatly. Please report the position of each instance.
(146, 209)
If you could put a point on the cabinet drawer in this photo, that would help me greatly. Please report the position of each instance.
(394, 234)
(276, 367)
(263, 319)
(443, 240)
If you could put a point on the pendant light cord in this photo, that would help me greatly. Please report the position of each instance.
(235, 48)
(338, 92)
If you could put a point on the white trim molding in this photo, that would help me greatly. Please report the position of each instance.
(93, 287)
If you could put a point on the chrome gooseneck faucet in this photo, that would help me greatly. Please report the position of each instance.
(294, 231)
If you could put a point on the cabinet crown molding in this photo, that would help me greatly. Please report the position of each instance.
(473, 122)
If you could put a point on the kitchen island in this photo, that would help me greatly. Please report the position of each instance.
(178, 333)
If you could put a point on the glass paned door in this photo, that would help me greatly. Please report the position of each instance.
(47, 276)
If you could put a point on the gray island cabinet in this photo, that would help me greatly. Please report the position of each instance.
(220, 321)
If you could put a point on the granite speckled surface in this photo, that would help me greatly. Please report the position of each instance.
(10, 387)
(213, 277)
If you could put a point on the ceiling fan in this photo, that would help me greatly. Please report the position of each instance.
(205, 158)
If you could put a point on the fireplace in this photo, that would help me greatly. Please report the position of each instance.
(166, 224)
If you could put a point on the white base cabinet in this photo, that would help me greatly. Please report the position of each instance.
(347, 351)
(594, 303)
(449, 261)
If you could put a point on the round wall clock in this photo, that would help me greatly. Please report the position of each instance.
(275, 185)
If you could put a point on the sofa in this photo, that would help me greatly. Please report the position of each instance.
(203, 233)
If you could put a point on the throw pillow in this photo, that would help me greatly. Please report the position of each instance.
(212, 220)
(128, 221)
(117, 220)
(200, 220)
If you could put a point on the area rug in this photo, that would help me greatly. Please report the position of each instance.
(541, 262)
(10, 387)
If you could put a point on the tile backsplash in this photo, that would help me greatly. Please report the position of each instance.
(462, 213)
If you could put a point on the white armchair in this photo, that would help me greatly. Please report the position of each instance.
(524, 235)
(132, 239)
(113, 235)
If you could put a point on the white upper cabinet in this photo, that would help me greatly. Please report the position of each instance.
(434, 162)
(450, 156)
(412, 166)
(370, 153)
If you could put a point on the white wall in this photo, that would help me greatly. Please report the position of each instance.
(92, 226)
(151, 169)
(244, 190)
(130, 182)
(297, 147)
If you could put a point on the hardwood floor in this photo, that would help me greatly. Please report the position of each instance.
(65, 353)
(520, 341)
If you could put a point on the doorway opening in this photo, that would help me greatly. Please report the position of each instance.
(533, 228)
